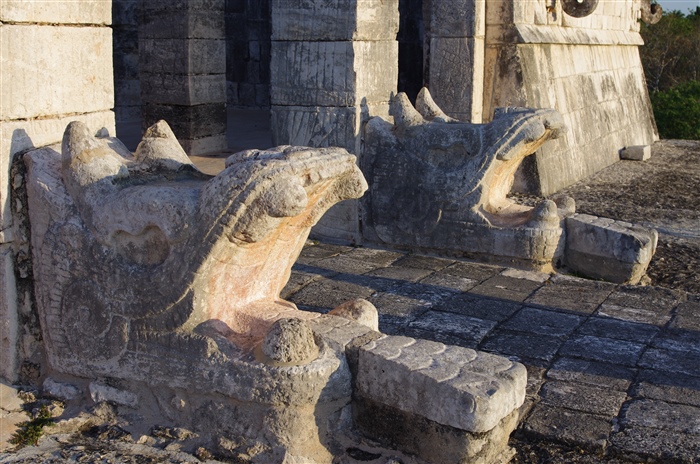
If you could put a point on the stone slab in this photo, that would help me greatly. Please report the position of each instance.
(618, 329)
(592, 373)
(603, 349)
(493, 309)
(456, 76)
(186, 22)
(571, 427)
(453, 386)
(672, 387)
(205, 145)
(474, 271)
(9, 317)
(183, 89)
(328, 294)
(182, 56)
(79, 65)
(680, 418)
(400, 273)
(598, 400)
(636, 153)
(524, 346)
(457, 18)
(642, 444)
(543, 322)
(318, 20)
(442, 326)
(316, 126)
(83, 12)
(332, 74)
(433, 442)
(617, 252)
(681, 361)
(507, 288)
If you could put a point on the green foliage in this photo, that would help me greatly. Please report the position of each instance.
(671, 51)
(677, 111)
(29, 432)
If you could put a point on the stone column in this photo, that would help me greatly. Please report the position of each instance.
(182, 68)
(333, 65)
(454, 55)
(56, 67)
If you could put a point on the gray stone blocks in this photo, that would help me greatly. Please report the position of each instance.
(182, 57)
(611, 250)
(320, 20)
(327, 73)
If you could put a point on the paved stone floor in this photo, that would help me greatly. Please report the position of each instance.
(612, 369)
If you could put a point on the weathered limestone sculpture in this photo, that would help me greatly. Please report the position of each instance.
(438, 184)
(158, 287)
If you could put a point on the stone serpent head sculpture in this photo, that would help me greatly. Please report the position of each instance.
(438, 184)
(131, 247)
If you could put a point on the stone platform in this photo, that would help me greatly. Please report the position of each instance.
(612, 369)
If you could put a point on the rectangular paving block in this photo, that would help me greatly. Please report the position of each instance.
(459, 387)
(78, 65)
(614, 251)
(338, 20)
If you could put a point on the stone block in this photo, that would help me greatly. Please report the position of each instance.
(316, 126)
(178, 24)
(182, 56)
(188, 122)
(9, 323)
(100, 392)
(204, 145)
(183, 89)
(458, 387)
(78, 62)
(456, 18)
(332, 73)
(125, 12)
(331, 21)
(636, 153)
(615, 251)
(83, 12)
(432, 441)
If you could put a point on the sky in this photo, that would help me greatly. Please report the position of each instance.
(681, 5)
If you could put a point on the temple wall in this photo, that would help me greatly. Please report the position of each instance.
(332, 67)
(56, 60)
(587, 68)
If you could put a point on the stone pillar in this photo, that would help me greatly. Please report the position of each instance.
(454, 56)
(182, 68)
(333, 65)
(56, 62)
